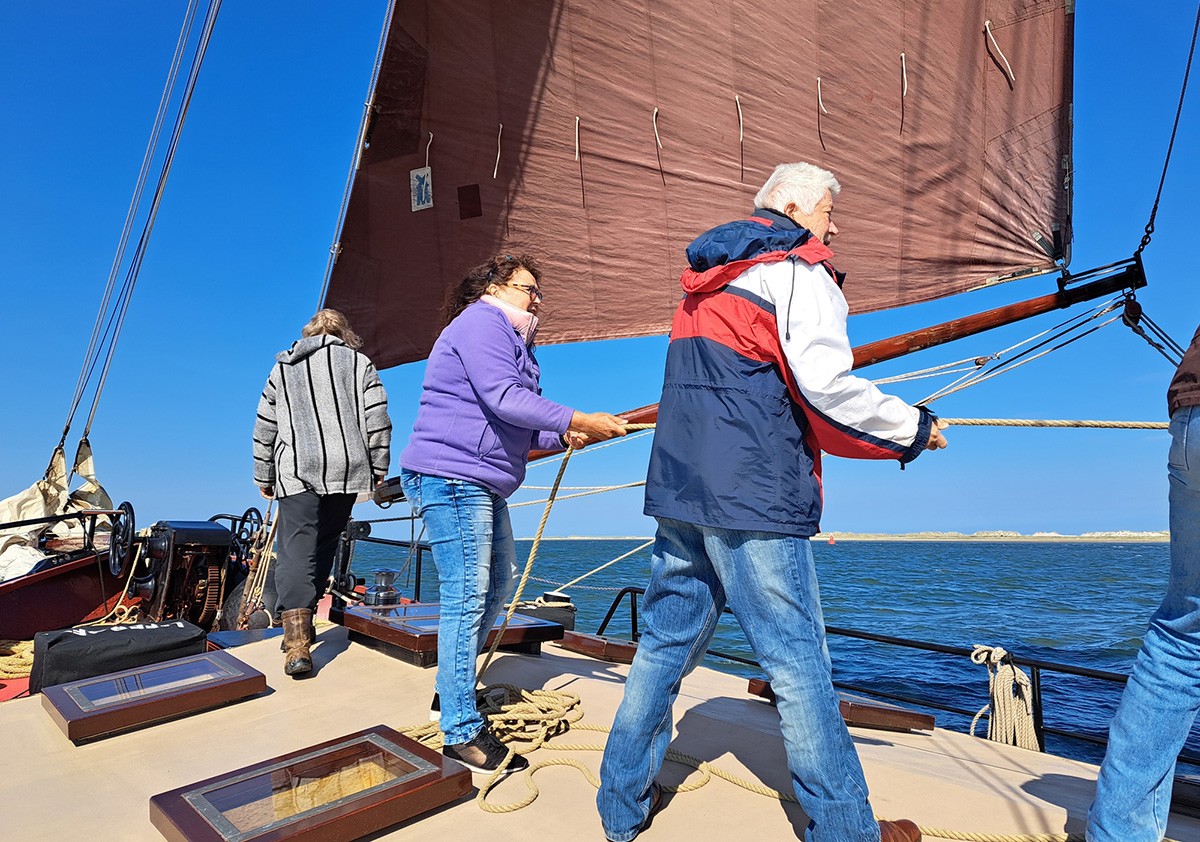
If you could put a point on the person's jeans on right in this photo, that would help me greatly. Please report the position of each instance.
(1159, 705)
(770, 582)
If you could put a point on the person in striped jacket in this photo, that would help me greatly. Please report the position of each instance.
(322, 437)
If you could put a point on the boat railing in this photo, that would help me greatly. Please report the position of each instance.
(1036, 667)
(87, 517)
(416, 561)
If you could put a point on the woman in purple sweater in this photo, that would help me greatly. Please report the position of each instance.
(481, 413)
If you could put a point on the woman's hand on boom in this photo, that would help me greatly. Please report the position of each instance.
(596, 426)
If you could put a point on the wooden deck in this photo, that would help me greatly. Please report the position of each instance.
(54, 790)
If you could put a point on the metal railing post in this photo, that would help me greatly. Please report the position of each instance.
(1035, 685)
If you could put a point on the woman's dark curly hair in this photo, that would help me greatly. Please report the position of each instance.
(498, 270)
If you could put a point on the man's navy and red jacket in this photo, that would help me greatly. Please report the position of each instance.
(758, 383)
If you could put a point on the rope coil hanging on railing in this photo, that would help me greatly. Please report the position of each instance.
(1010, 700)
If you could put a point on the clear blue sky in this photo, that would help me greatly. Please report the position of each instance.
(235, 267)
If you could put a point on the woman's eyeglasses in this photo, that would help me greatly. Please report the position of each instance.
(532, 291)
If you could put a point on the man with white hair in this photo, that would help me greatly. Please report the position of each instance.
(757, 384)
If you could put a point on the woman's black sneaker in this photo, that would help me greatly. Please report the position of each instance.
(485, 754)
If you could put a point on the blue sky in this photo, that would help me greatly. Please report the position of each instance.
(235, 267)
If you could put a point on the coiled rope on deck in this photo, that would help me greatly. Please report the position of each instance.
(16, 658)
(526, 720)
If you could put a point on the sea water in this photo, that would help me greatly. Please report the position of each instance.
(1081, 604)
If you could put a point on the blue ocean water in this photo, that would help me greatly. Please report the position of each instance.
(1082, 604)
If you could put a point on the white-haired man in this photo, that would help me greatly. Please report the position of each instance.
(757, 384)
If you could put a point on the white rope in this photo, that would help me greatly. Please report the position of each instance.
(1095, 312)
(819, 101)
(904, 378)
(553, 460)
(427, 145)
(944, 368)
(608, 564)
(496, 168)
(987, 27)
(977, 380)
(1011, 694)
(904, 73)
(656, 137)
(564, 487)
(576, 137)
(581, 494)
(577, 587)
(741, 133)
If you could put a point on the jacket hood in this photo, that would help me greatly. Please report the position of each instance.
(303, 348)
(718, 256)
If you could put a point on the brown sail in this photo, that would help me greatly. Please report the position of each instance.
(603, 137)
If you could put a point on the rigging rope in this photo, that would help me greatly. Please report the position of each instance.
(107, 340)
(1134, 315)
(981, 360)
(552, 460)
(1171, 145)
(1004, 367)
(135, 202)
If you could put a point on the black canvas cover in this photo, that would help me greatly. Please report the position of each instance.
(71, 654)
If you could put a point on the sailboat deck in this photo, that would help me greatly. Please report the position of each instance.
(55, 790)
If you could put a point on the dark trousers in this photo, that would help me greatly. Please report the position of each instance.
(306, 539)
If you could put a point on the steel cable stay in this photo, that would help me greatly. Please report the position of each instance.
(111, 315)
(1135, 316)
(140, 253)
(1171, 145)
(1004, 367)
(151, 147)
(980, 360)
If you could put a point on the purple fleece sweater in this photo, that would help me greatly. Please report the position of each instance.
(481, 411)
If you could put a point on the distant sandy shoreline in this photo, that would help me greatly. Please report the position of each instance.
(1118, 537)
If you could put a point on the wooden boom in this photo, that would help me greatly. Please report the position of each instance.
(1113, 278)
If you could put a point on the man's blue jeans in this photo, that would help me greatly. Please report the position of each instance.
(770, 582)
(1158, 707)
(468, 528)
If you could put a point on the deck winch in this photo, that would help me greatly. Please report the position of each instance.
(185, 564)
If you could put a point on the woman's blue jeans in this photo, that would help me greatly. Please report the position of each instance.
(1158, 707)
(468, 528)
(770, 582)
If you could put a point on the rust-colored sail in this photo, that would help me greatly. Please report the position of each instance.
(955, 161)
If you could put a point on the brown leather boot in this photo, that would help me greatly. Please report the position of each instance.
(310, 633)
(900, 830)
(296, 625)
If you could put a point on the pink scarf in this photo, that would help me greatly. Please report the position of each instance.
(524, 322)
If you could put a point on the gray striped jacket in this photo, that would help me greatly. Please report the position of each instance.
(322, 421)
